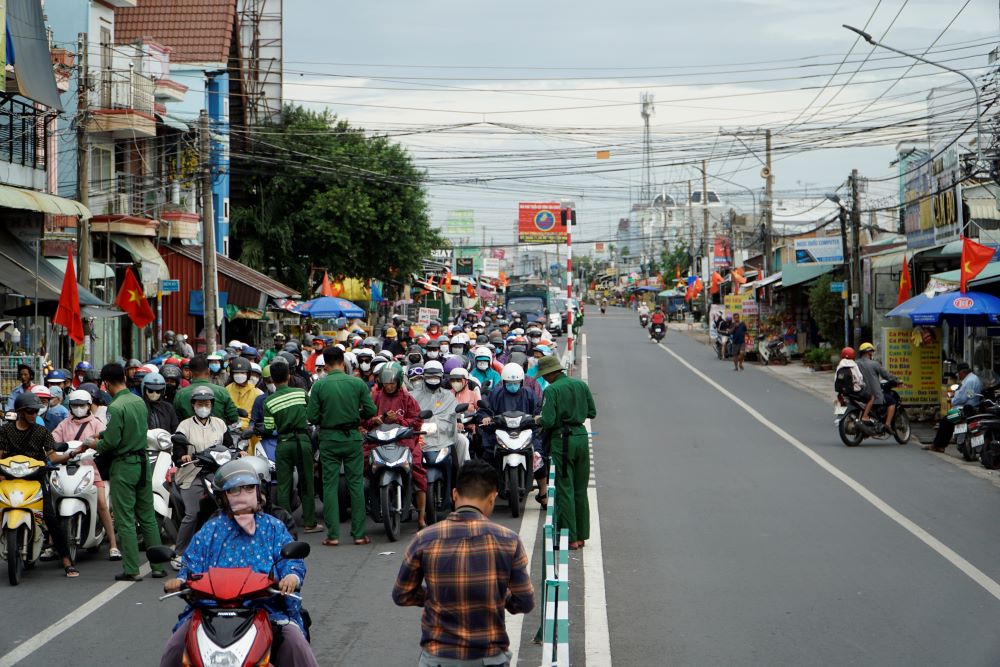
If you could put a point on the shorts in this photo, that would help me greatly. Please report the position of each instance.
(738, 349)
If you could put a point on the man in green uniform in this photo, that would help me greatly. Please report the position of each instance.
(337, 404)
(566, 404)
(223, 406)
(285, 412)
(131, 488)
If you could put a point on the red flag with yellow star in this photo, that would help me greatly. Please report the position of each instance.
(133, 301)
(68, 312)
(975, 257)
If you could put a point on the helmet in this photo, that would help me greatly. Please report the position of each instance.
(534, 333)
(260, 466)
(56, 392)
(133, 363)
(250, 352)
(235, 344)
(291, 346)
(414, 350)
(41, 391)
(170, 372)
(460, 339)
(377, 363)
(56, 376)
(236, 473)
(512, 373)
(434, 344)
(90, 388)
(255, 368)
(215, 356)
(372, 343)
(433, 368)
(239, 365)
(286, 358)
(544, 349)
(80, 397)
(414, 371)
(458, 374)
(171, 361)
(149, 368)
(483, 352)
(153, 382)
(421, 340)
(364, 354)
(168, 334)
(390, 332)
(27, 401)
(202, 394)
(387, 355)
(84, 366)
(866, 347)
(92, 375)
(519, 358)
(451, 363)
(390, 373)
(847, 353)
(279, 336)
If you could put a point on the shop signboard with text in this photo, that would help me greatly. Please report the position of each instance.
(918, 367)
(540, 223)
(819, 250)
(932, 213)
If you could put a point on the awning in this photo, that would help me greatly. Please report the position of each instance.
(30, 200)
(32, 62)
(988, 275)
(239, 272)
(797, 274)
(982, 202)
(143, 251)
(773, 278)
(889, 258)
(173, 122)
(98, 271)
(17, 272)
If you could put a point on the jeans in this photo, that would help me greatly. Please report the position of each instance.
(499, 660)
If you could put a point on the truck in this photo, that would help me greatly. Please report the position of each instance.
(528, 299)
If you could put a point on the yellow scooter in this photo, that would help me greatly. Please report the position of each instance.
(20, 514)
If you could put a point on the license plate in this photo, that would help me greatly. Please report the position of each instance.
(839, 410)
(961, 428)
(977, 441)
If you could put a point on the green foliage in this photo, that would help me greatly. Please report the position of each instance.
(827, 309)
(818, 356)
(332, 197)
(674, 258)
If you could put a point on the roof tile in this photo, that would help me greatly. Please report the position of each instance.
(195, 30)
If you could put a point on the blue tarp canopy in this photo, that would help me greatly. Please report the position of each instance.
(327, 307)
(972, 309)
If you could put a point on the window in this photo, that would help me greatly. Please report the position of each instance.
(696, 197)
(101, 168)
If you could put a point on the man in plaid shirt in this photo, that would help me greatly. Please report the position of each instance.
(465, 571)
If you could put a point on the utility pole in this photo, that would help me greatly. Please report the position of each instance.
(855, 256)
(82, 161)
(691, 229)
(707, 252)
(842, 216)
(210, 273)
(768, 204)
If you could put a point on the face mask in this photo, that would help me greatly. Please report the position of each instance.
(415, 383)
(240, 378)
(432, 383)
(43, 410)
(458, 350)
(215, 368)
(243, 505)
(432, 354)
(511, 387)
(80, 411)
(270, 387)
(153, 396)
(365, 366)
(444, 349)
(203, 413)
(482, 365)
(458, 385)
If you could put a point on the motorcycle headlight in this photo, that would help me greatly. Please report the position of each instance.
(85, 482)
(222, 457)
(17, 469)
(56, 482)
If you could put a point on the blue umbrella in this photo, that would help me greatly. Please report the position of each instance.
(328, 307)
(904, 309)
(969, 309)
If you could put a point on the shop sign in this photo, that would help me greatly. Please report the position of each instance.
(933, 201)
(918, 367)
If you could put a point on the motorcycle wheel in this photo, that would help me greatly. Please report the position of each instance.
(433, 501)
(15, 564)
(989, 455)
(965, 448)
(850, 429)
(71, 531)
(514, 492)
(901, 427)
(391, 514)
(168, 529)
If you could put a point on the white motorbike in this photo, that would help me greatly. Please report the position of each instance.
(772, 351)
(159, 452)
(515, 454)
(75, 497)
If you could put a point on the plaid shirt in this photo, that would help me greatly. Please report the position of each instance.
(473, 569)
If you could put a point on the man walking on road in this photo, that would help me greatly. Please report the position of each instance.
(566, 404)
(465, 571)
(131, 489)
(337, 404)
(739, 339)
(285, 413)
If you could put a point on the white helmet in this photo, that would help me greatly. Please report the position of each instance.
(512, 373)
(364, 352)
(483, 351)
(458, 374)
(255, 368)
(387, 354)
(460, 339)
(433, 368)
(350, 362)
(80, 397)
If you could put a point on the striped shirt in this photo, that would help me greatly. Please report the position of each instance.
(464, 572)
(285, 412)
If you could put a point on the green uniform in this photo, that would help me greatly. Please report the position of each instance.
(131, 487)
(337, 404)
(285, 412)
(566, 404)
(223, 407)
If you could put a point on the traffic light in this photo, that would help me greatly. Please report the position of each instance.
(567, 213)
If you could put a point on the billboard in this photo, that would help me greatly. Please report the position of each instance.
(721, 252)
(819, 250)
(540, 223)
(933, 202)
(461, 222)
(491, 267)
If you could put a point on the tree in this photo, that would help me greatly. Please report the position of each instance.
(329, 196)
(674, 258)
(827, 309)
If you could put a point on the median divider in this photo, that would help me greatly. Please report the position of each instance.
(554, 631)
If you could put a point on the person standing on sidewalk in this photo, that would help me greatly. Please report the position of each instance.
(739, 338)
(337, 404)
(124, 440)
(465, 572)
(285, 414)
(566, 404)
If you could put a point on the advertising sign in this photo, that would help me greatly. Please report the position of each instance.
(461, 222)
(425, 315)
(464, 266)
(598, 247)
(540, 223)
(918, 367)
(720, 255)
(819, 250)
(491, 267)
(933, 201)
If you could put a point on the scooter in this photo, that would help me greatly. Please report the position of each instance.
(847, 416)
(209, 461)
(390, 476)
(644, 321)
(230, 624)
(440, 466)
(657, 332)
(75, 497)
(515, 452)
(159, 450)
(21, 514)
(772, 351)
(723, 346)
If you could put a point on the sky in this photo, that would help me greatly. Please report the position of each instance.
(508, 102)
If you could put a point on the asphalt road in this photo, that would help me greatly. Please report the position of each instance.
(723, 544)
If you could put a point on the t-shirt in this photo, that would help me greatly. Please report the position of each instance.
(34, 442)
(739, 334)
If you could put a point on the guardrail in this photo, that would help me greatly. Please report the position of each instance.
(554, 631)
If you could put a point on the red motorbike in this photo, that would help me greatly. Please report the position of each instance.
(230, 625)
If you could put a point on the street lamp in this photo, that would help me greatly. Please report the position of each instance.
(975, 89)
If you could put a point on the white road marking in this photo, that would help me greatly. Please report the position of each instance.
(39, 640)
(985, 581)
(528, 533)
(597, 640)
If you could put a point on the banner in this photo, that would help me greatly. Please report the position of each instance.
(721, 254)
(540, 223)
(932, 214)
(918, 367)
(819, 250)
(491, 267)
(425, 315)
(461, 222)
(498, 253)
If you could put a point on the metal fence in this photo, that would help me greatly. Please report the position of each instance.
(9, 379)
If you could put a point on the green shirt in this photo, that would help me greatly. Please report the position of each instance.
(223, 407)
(127, 423)
(285, 412)
(338, 403)
(566, 401)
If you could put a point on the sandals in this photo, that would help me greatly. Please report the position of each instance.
(542, 500)
(114, 554)
(315, 528)
(128, 577)
(71, 572)
(363, 540)
(331, 543)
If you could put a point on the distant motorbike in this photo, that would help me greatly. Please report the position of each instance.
(208, 461)
(772, 351)
(389, 485)
(644, 321)
(440, 466)
(21, 514)
(723, 346)
(847, 415)
(657, 331)
(159, 451)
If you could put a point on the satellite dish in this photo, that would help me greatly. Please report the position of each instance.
(765, 172)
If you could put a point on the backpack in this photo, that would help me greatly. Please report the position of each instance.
(844, 381)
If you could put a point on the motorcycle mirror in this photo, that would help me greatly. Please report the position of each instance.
(295, 550)
(160, 554)
(242, 413)
(180, 439)
(425, 414)
(62, 447)
(461, 407)
(483, 404)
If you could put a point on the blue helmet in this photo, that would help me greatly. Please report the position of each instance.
(56, 376)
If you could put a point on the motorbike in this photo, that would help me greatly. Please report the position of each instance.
(230, 624)
(159, 450)
(644, 321)
(75, 497)
(847, 415)
(389, 484)
(515, 455)
(772, 351)
(440, 466)
(21, 514)
(983, 438)
(657, 332)
(209, 461)
(723, 346)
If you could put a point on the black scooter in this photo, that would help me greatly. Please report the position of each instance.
(441, 467)
(389, 483)
(657, 332)
(644, 321)
(208, 461)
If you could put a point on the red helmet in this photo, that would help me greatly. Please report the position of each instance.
(421, 340)
(848, 353)
(172, 361)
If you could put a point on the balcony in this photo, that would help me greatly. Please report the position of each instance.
(23, 138)
(123, 107)
(143, 206)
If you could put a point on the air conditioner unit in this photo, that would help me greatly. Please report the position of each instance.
(122, 204)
